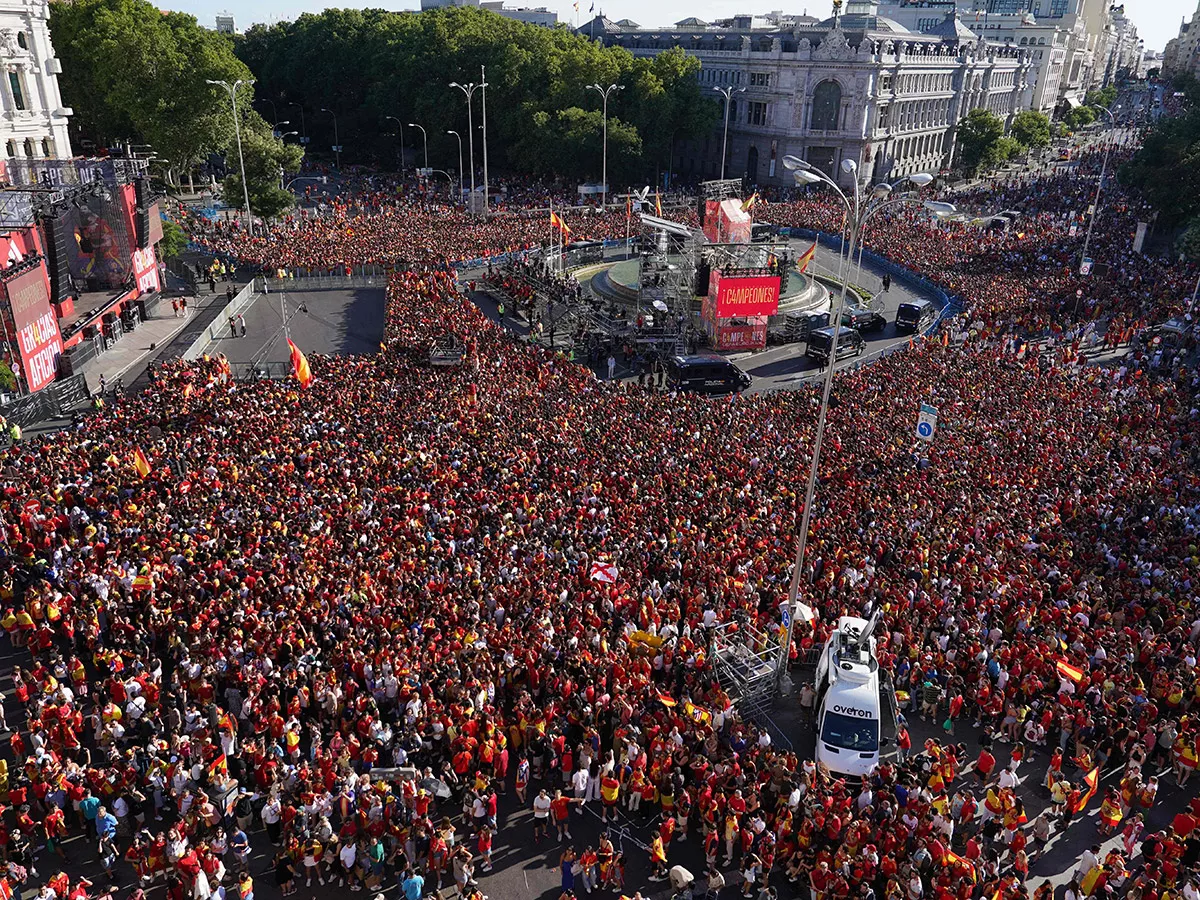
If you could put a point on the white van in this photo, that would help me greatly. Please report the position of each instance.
(848, 703)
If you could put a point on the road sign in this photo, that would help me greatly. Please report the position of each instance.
(927, 422)
(1085, 267)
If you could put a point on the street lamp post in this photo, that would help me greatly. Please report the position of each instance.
(858, 211)
(274, 111)
(400, 126)
(337, 144)
(283, 139)
(483, 112)
(303, 130)
(469, 92)
(425, 137)
(604, 92)
(727, 93)
(459, 138)
(1087, 240)
(237, 130)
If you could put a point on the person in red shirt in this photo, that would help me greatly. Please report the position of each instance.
(984, 766)
(560, 809)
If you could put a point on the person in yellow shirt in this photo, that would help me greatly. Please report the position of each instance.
(658, 858)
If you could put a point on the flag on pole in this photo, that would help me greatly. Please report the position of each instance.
(300, 365)
(602, 571)
(657, 204)
(749, 204)
(667, 700)
(557, 222)
(1092, 780)
(1066, 670)
(141, 463)
(628, 208)
(806, 257)
(219, 766)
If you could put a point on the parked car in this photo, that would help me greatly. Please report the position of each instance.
(706, 374)
(862, 319)
(849, 343)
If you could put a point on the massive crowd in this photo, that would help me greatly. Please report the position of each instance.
(351, 623)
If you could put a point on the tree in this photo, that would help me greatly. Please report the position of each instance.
(1104, 97)
(135, 73)
(174, 240)
(978, 136)
(1031, 129)
(267, 159)
(1079, 117)
(1166, 169)
(369, 64)
(1189, 241)
(1005, 149)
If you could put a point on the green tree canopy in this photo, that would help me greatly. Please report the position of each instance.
(267, 161)
(1167, 166)
(1031, 128)
(979, 137)
(174, 240)
(369, 64)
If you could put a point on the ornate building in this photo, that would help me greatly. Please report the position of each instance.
(857, 87)
(33, 120)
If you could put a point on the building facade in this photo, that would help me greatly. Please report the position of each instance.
(33, 121)
(1182, 54)
(858, 87)
(529, 15)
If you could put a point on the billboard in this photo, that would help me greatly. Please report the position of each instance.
(38, 336)
(99, 242)
(735, 296)
(145, 271)
(740, 337)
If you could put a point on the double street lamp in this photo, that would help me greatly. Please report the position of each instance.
(337, 144)
(727, 93)
(859, 210)
(604, 92)
(237, 130)
(426, 139)
(1096, 201)
(469, 92)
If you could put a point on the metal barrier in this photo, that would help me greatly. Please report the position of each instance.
(54, 401)
(262, 371)
(324, 283)
(241, 301)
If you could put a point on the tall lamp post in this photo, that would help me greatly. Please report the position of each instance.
(400, 126)
(604, 92)
(303, 130)
(858, 210)
(727, 93)
(425, 137)
(469, 92)
(337, 144)
(483, 113)
(1096, 201)
(459, 137)
(237, 130)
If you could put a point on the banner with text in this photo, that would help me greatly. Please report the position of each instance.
(38, 336)
(756, 295)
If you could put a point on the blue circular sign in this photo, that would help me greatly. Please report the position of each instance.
(924, 429)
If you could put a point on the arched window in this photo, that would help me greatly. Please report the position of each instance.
(29, 148)
(827, 104)
(46, 148)
(21, 41)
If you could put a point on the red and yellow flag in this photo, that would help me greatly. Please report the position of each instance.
(749, 204)
(657, 204)
(141, 463)
(300, 365)
(953, 859)
(1066, 670)
(1092, 780)
(666, 699)
(556, 221)
(806, 257)
(219, 766)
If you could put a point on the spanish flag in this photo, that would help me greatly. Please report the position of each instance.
(1092, 780)
(219, 766)
(300, 365)
(141, 463)
(806, 257)
(557, 222)
(657, 204)
(953, 859)
(628, 207)
(667, 699)
(749, 204)
(1066, 670)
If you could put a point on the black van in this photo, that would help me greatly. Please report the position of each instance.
(849, 343)
(705, 374)
(915, 315)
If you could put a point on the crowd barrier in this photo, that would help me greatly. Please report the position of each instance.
(324, 282)
(55, 401)
(241, 300)
(950, 305)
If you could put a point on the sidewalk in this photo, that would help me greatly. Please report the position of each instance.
(129, 357)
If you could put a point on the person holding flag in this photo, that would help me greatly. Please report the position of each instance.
(300, 365)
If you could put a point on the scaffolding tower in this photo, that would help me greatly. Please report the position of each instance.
(744, 660)
(669, 256)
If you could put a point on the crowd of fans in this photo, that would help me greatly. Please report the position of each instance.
(358, 617)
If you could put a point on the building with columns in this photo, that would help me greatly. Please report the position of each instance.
(33, 120)
(859, 86)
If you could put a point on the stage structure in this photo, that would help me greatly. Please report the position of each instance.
(667, 283)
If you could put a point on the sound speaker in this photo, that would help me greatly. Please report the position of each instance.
(141, 215)
(701, 205)
(56, 259)
(703, 275)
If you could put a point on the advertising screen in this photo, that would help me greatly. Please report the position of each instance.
(741, 337)
(756, 295)
(99, 245)
(37, 327)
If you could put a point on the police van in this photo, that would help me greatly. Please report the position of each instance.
(848, 701)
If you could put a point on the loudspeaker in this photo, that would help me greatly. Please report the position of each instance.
(56, 259)
(701, 206)
(703, 275)
(141, 215)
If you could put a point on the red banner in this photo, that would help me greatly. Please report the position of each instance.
(741, 337)
(37, 327)
(756, 295)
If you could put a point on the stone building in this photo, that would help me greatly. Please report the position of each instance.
(33, 121)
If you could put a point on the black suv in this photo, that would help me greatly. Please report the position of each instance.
(915, 315)
(704, 374)
(849, 343)
(861, 319)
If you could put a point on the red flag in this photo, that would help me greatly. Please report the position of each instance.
(667, 699)
(806, 257)
(141, 463)
(300, 365)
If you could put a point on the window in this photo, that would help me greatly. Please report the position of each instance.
(826, 107)
(756, 113)
(21, 41)
(29, 148)
(10, 149)
(760, 79)
(885, 82)
(885, 116)
(14, 82)
(46, 148)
